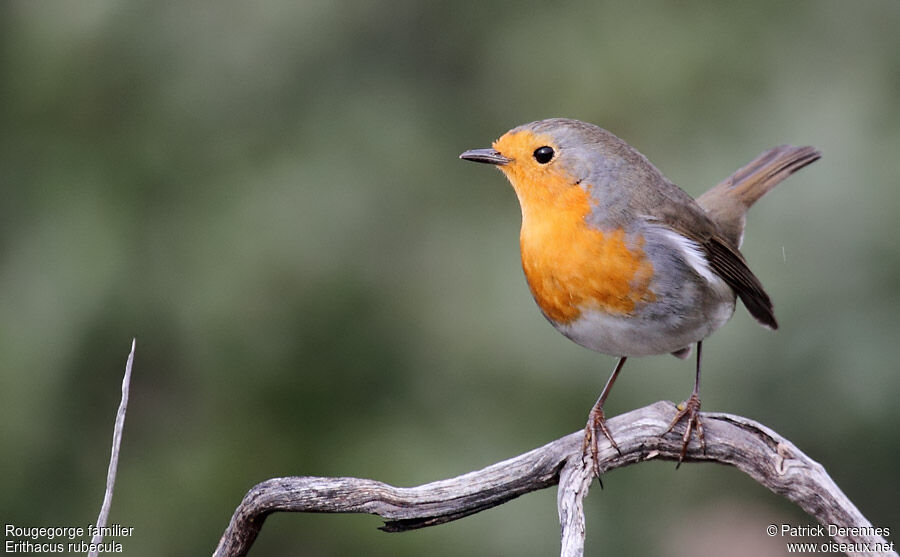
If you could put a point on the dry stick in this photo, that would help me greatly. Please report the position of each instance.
(768, 458)
(114, 456)
(574, 481)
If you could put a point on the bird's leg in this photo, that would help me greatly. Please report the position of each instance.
(691, 409)
(597, 421)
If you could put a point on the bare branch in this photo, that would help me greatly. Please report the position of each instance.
(768, 458)
(574, 482)
(114, 456)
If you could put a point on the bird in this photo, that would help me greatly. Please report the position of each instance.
(621, 260)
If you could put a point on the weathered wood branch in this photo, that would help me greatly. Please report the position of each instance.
(119, 426)
(765, 456)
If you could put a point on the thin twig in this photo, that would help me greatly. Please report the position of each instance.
(768, 458)
(114, 456)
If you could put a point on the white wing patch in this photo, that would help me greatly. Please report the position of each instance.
(693, 254)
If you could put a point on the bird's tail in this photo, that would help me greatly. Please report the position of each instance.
(727, 202)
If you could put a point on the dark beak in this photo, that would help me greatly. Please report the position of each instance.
(489, 156)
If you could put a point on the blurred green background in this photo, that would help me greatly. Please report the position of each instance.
(268, 196)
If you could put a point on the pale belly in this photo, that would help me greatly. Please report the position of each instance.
(619, 335)
(669, 324)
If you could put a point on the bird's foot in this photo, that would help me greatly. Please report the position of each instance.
(689, 409)
(596, 425)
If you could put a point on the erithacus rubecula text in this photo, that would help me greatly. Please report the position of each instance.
(621, 260)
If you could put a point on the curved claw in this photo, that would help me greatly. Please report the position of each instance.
(596, 424)
(691, 410)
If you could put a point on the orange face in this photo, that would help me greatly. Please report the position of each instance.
(570, 266)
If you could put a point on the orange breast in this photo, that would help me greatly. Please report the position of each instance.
(571, 267)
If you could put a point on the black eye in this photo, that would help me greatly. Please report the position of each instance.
(543, 154)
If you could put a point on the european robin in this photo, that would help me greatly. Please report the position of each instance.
(621, 260)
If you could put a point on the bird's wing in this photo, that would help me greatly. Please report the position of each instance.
(729, 264)
(684, 216)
